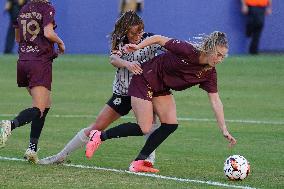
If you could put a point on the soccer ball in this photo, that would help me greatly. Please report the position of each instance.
(236, 167)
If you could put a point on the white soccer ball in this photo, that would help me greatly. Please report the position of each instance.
(236, 167)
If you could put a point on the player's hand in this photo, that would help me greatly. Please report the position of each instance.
(134, 67)
(268, 11)
(117, 53)
(61, 48)
(130, 48)
(230, 138)
(245, 9)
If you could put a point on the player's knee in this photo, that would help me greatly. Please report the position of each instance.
(146, 130)
(42, 106)
(99, 125)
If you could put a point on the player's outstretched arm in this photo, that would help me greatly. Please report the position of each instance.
(217, 107)
(52, 36)
(155, 39)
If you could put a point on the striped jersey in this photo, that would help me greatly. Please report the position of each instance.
(123, 76)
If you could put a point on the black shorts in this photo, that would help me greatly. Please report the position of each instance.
(121, 104)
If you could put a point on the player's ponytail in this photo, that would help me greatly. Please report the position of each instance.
(208, 43)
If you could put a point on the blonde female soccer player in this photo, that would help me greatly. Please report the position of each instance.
(184, 65)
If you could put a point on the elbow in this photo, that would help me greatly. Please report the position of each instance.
(158, 39)
(112, 59)
(161, 40)
(48, 34)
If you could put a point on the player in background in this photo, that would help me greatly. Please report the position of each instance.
(184, 65)
(36, 37)
(129, 28)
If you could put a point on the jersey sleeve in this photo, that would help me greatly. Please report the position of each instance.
(210, 84)
(182, 49)
(48, 16)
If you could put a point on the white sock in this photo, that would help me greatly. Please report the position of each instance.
(154, 127)
(78, 141)
(152, 156)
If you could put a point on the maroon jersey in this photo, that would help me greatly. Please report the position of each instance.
(32, 19)
(179, 69)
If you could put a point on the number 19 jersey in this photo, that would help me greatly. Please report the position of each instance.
(31, 21)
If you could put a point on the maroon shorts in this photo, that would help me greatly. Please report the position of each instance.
(34, 73)
(140, 88)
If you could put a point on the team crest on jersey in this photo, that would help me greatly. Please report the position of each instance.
(202, 72)
(117, 101)
(150, 94)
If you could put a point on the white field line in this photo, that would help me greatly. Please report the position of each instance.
(212, 183)
(179, 118)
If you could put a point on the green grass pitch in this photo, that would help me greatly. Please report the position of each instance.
(251, 89)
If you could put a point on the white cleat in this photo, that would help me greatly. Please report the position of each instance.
(5, 132)
(31, 156)
(151, 158)
(55, 159)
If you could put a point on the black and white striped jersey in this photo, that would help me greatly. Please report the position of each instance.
(123, 76)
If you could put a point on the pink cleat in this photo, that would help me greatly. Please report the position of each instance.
(142, 166)
(94, 143)
(148, 164)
